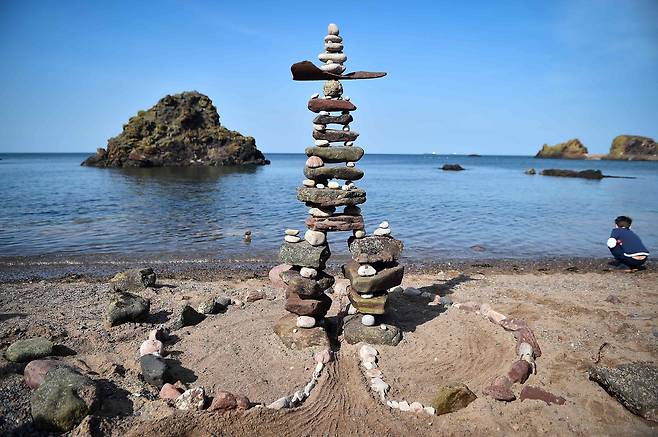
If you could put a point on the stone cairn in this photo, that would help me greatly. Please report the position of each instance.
(374, 269)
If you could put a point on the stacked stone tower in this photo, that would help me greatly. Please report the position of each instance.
(332, 196)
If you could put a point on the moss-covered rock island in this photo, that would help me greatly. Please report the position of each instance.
(180, 130)
(572, 149)
(633, 147)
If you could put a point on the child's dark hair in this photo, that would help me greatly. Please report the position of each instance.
(623, 221)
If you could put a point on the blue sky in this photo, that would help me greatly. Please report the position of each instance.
(484, 77)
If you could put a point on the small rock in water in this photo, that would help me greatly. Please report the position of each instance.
(308, 272)
(292, 231)
(366, 270)
(22, 351)
(305, 322)
(314, 162)
(223, 401)
(170, 392)
(292, 239)
(192, 399)
(380, 231)
(368, 320)
(151, 347)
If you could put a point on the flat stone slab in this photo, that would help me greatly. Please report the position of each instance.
(306, 70)
(374, 305)
(333, 119)
(336, 154)
(334, 223)
(324, 197)
(299, 338)
(373, 249)
(304, 254)
(313, 307)
(329, 105)
(634, 385)
(306, 287)
(354, 332)
(334, 135)
(382, 280)
(336, 172)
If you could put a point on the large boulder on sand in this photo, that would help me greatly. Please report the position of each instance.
(29, 349)
(126, 307)
(572, 149)
(180, 130)
(633, 147)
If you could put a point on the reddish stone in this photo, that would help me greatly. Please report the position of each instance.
(519, 372)
(525, 335)
(223, 401)
(317, 105)
(306, 287)
(500, 389)
(254, 295)
(338, 222)
(308, 307)
(511, 324)
(35, 371)
(169, 391)
(242, 402)
(530, 392)
(275, 275)
(613, 299)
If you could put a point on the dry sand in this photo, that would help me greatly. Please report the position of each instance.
(237, 351)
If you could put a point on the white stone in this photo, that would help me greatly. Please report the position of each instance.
(346, 128)
(333, 185)
(367, 296)
(352, 210)
(396, 289)
(319, 127)
(308, 272)
(350, 164)
(370, 365)
(309, 387)
(345, 187)
(333, 68)
(384, 225)
(359, 234)
(319, 186)
(379, 385)
(349, 143)
(292, 231)
(395, 404)
(337, 58)
(292, 238)
(321, 143)
(280, 403)
(315, 238)
(368, 320)
(351, 309)
(334, 47)
(416, 407)
(308, 182)
(389, 404)
(429, 410)
(323, 113)
(192, 399)
(319, 367)
(305, 322)
(332, 29)
(404, 406)
(366, 270)
(367, 350)
(324, 212)
(333, 38)
(380, 231)
(411, 291)
(351, 185)
(151, 347)
(383, 327)
(315, 95)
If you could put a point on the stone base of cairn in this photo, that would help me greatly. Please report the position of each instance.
(331, 159)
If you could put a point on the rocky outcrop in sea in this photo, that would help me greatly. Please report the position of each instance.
(180, 130)
(633, 148)
(572, 149)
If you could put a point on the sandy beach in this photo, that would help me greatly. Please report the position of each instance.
(237, 351)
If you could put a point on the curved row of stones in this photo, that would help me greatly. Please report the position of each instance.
(333, 207)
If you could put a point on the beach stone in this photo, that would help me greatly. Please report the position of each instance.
(279, 404)
(36, 370)
(333, 68)
(126, 307)
(151, 347)
(525, 335)
(337, 58)
(429, 410)
(451, 398)
(333, 38)
(308, 182)
(366, 270)
(519, 371)
(452, 167)
(326, 119)
(411, 291)
(324, 356)
(321, 143)
(292, 231)
(383, 280)
(160, 333)
(314, 162)
(315, 238)
(169, 392)
(22, 351)
(333, 88)
(374, 305)
(223, 401)
(634, 385)
(500, 389)
(354, 332)
(63, 400)
(341, 286)
(306, 287)
(333, 47)
(192, 399)
(333, 185)
(209, 305)
(308, 272)
(330, 105)
(292, 239)
(359, 234)
(319, 127)
(133, 280)
(320, 197)
(530, 171)
(367, 320)
(223, 302)
(380, 231)
(314, 307)
(352, 210)
(255, 295)
(275, 275)
(294, 338)
(335, 172)
(335, 223)
(530, 392)
(154, 369)
(186, 316)
(404, 406)
(332, 29)
(335, 135)
(305, 322)
(243, 402)
(305, 254)
(416, 407)
(322, 212)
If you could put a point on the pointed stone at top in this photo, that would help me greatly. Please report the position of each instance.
(332, 29)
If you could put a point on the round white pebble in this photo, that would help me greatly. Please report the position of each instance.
(368, 320)
(305, 322)
(315, 238)
(308, 272)
(332, 29)
(359, 234)
(292, 239)
(380, 231)
(292, 231)
(308, 182)
(333, 185)
(366, 270)
(350, 164)
(319, 186)
(384, 225)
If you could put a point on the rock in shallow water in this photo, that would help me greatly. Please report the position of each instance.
(29, 349)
